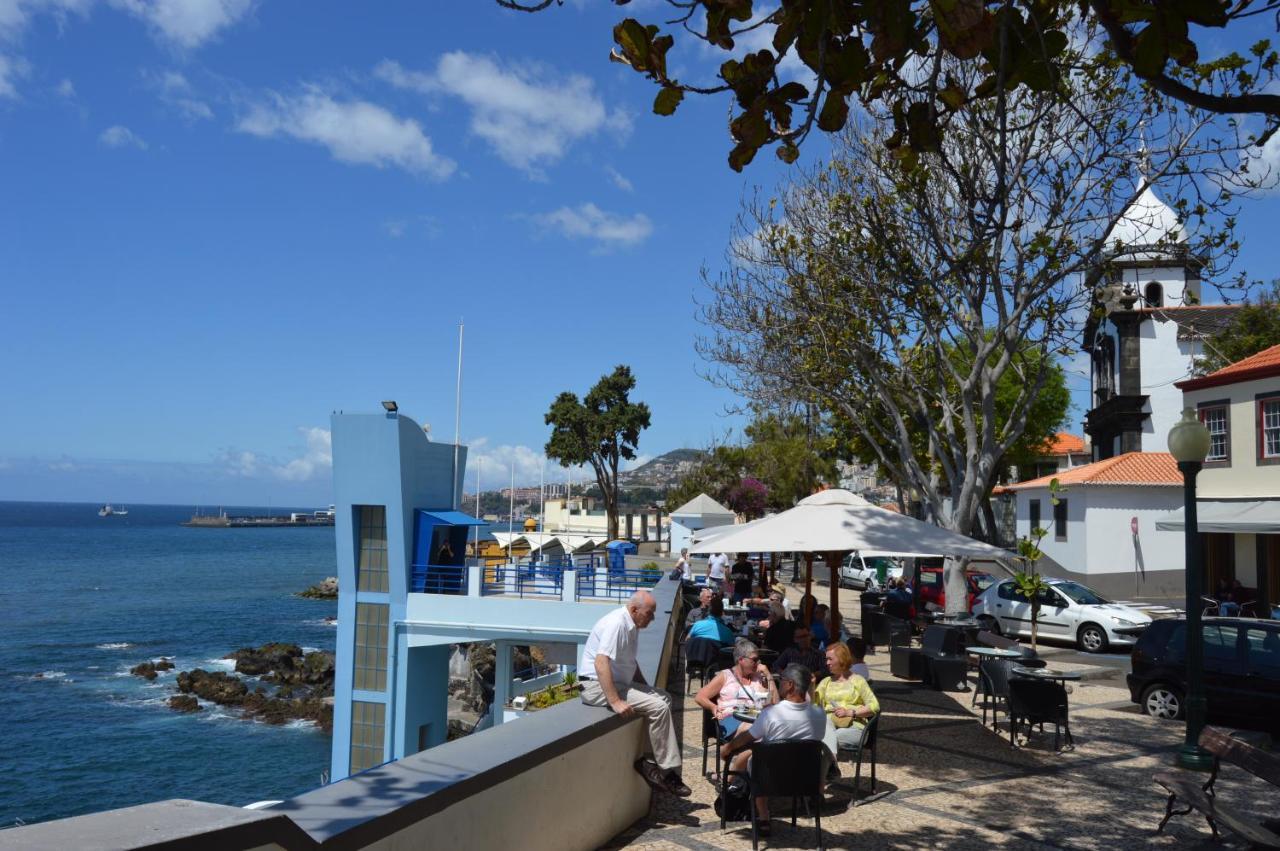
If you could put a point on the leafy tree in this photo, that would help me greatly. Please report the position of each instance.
(600, 430)
(1255, 326)
(791, 453)
(895, 56)
(902, 301)
(1030, 584)
(748, 497)
(720, 469)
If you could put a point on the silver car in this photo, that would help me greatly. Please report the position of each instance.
(1068, 611)
(859, 571)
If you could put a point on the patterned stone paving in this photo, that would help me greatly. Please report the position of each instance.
(945, 780)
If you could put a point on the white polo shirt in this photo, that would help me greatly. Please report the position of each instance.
(789, 720)
(716, 565)
(615, 635)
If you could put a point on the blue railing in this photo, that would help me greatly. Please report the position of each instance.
(615, 584)
(439, 579)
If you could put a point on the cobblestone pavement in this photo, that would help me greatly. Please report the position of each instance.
(945, 780)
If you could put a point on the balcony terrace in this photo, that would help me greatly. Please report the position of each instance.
(562, 778)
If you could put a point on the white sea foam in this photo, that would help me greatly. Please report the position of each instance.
(114, 645)
(49, 675)
(93, 667)
(321, 622)
(224, 664)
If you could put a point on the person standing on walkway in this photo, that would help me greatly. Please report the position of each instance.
(612, 677)
(682, 564)
(743, 574)
(717, 568)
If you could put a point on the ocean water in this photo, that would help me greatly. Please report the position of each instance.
(84, 598)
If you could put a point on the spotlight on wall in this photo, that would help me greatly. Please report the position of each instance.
(391, 406)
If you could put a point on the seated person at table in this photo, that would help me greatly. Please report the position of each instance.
(792, 717)
(858, 650)
(713, 625)
(704, 607)
(778, 635)
(847, 700)
(747, 685)
(802, 652)
(818, 625)
(898, 602)
(777, 594)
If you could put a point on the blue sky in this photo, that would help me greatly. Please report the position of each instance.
(222, 219)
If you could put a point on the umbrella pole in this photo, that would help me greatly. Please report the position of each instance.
(806, 612)
(833, 571)
(764, 577)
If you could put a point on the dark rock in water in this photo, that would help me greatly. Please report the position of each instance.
(324, 590)
(219, 687)
(146, 670)
(184, 703)
(164, 665)
(276, 657)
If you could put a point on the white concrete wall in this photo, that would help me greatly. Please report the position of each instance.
(1099, 540)
(1165, 360)
(1244, 477)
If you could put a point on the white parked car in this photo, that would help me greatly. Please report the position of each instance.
(1068, 610)
(860, 571)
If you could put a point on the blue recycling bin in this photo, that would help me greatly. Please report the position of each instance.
(617, 552)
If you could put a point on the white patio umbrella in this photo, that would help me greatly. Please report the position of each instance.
(836, 521)
(833, 522)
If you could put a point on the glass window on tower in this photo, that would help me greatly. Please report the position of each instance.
(371, 567)
(371, 646)
(368, 728)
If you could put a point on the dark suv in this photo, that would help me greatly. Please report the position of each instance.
(1241, 671)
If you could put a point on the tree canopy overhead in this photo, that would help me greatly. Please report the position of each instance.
(893, 54)
(1255, 326)
(601, 430)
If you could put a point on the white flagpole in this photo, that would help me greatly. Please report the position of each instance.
(511, 517)
(457, 416)
(542, 506)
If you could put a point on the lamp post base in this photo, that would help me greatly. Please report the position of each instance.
(1195, 758)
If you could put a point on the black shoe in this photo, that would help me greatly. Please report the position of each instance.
(652, 775)
(675, 785)
(833, 773)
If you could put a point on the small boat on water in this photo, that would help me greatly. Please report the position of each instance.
(109, 510)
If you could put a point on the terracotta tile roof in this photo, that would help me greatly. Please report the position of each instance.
(1262, 365)
(1064, 443)
(1131, 468)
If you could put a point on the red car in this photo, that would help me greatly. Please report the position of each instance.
(932, 590)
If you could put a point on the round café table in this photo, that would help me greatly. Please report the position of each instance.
(743, 715)
(994, 652)
(1045, 673)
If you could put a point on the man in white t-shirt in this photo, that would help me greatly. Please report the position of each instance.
(717, 566)
(611, 677)
(792, 717)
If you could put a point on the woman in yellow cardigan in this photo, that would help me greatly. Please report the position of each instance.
(847, 699)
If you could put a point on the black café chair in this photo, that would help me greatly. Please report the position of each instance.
(788, 769)
(993, 688)
(701, 657)
(710, 732)
(1040, 702)
(868, 747)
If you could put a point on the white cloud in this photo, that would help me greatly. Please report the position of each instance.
(587, 221)
(177, 92)
(316, 460)
(395, 229)
(187, 23)
(119, 136)
(11, 68)
(353, 131)
(617, 179)
(527, 114)
(66, 89)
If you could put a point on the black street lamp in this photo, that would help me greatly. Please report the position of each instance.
(1189, 444)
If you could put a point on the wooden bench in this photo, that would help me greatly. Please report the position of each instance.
(1199, 795)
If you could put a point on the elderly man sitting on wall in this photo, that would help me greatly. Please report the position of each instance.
(611, 677)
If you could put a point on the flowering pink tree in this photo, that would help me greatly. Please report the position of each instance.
(748, 498)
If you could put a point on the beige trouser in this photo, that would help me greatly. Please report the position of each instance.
(651, 705)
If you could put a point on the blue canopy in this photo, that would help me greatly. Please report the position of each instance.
(453, 518)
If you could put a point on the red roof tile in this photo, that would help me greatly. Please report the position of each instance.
(1262, 365)
(1064, 443)
(1131, 468)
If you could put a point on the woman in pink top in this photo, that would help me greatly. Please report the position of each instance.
(747, 684)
